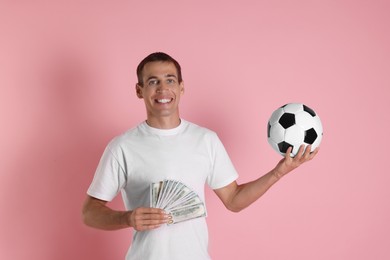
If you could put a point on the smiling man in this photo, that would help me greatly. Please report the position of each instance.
(167, 147)
(161, 88)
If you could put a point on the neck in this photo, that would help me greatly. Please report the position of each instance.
(164, 123)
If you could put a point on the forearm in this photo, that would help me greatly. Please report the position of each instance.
(248, 193)
(237, 197)
(102, 217)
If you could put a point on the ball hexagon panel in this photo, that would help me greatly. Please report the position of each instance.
(276, 133)
(305, 120)
(275, 116)
(295, 136)
(293, 108)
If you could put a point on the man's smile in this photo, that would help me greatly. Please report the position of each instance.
(164, 100)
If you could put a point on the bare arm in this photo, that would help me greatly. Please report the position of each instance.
(237, 197)
(98, 215)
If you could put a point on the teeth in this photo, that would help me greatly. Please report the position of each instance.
(165, 100)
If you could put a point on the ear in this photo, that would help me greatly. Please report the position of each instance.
(138, 90)
(182, 87)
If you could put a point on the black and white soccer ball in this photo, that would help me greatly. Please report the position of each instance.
(294, 124)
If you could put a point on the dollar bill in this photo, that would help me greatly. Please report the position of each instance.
(177, 199)
(154, 193)
(187, 213)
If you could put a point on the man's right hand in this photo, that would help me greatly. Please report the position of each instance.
(97, 214)
(142, 219)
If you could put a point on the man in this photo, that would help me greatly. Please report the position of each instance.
(167, 147)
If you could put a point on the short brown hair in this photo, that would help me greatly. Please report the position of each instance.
(157, 56)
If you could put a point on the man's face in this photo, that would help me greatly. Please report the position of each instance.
(161, 90)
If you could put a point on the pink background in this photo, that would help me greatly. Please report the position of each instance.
(67, 75)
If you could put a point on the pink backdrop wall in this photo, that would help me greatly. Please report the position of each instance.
(67, 87)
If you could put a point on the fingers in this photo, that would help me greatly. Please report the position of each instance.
(305, 154)
(143, 219)
(288, 152)
(314, 153)
(301, 152)
(288, 163)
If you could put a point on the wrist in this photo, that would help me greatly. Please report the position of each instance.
(125, 218)
(277, 174)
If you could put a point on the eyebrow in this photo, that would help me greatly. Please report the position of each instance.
(151, 77)
(170, 75)
(166, 76)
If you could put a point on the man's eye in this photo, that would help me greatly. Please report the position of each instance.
(153, 82)
(171, 81)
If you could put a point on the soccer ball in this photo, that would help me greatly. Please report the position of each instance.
(294, 124)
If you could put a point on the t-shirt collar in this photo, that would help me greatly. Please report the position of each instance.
(164, 132)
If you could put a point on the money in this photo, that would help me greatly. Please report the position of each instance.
(177, 199)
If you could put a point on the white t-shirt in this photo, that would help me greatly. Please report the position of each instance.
(132, 161)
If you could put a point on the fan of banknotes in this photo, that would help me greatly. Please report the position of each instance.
(177, 199)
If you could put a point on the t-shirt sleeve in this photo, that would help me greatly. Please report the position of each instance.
(109, 177)
(223, 171)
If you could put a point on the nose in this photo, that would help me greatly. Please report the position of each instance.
(162, 87)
